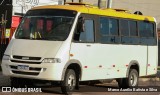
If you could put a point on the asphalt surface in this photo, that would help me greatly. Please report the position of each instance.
(152, 84)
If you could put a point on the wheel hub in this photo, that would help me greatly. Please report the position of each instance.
(71, 81)
(133, 80)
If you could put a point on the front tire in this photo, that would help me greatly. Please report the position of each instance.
(69, 82)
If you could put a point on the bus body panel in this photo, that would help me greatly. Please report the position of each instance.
(98, 60)
(105, 61)
(42, 49)
(31, 47)
(152, 59)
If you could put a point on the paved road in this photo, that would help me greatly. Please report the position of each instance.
(99, 89)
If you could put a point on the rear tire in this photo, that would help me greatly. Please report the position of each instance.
(131, 81)
(69, 82)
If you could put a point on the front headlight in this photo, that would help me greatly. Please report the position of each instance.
(51, 60)
(6, 57)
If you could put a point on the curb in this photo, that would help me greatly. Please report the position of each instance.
(149, 79)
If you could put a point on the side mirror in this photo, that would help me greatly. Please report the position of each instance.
(80, 26)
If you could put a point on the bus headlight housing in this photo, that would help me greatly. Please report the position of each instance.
(6, 57)
(51, 60)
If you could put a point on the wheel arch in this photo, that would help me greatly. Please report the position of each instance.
(72, 64)
(134, 64)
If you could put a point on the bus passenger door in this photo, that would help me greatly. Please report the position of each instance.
(83, 49)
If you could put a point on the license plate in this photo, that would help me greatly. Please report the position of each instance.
(23, 67)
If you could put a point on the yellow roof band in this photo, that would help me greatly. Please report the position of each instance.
(90, 9)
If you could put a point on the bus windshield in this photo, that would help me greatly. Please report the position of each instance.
(45, 24)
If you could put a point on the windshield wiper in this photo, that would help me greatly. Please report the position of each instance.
(22, 38)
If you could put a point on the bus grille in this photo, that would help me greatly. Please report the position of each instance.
(29, 62)
(29, 58)
(32, 70)
(26, 59)
(25, 73)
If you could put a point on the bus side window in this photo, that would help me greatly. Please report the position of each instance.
(113, 26)
(133, 28)
(109, 30)
(124, 27)
(104, 26)
(146, 31)
(134, 39)
(86, 34)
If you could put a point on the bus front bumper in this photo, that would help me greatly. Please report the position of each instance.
(43, 71)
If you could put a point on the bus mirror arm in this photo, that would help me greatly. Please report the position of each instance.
(80, 26)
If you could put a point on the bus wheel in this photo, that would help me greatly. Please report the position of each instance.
(69, 83)
(131, 81)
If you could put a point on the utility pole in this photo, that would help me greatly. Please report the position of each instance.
(80, 1)
(109, 4)
(64, 2)
(99, 3)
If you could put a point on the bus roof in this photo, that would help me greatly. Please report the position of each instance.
(90, 9)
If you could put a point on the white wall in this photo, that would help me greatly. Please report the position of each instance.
(147, 7)
(22, 6)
